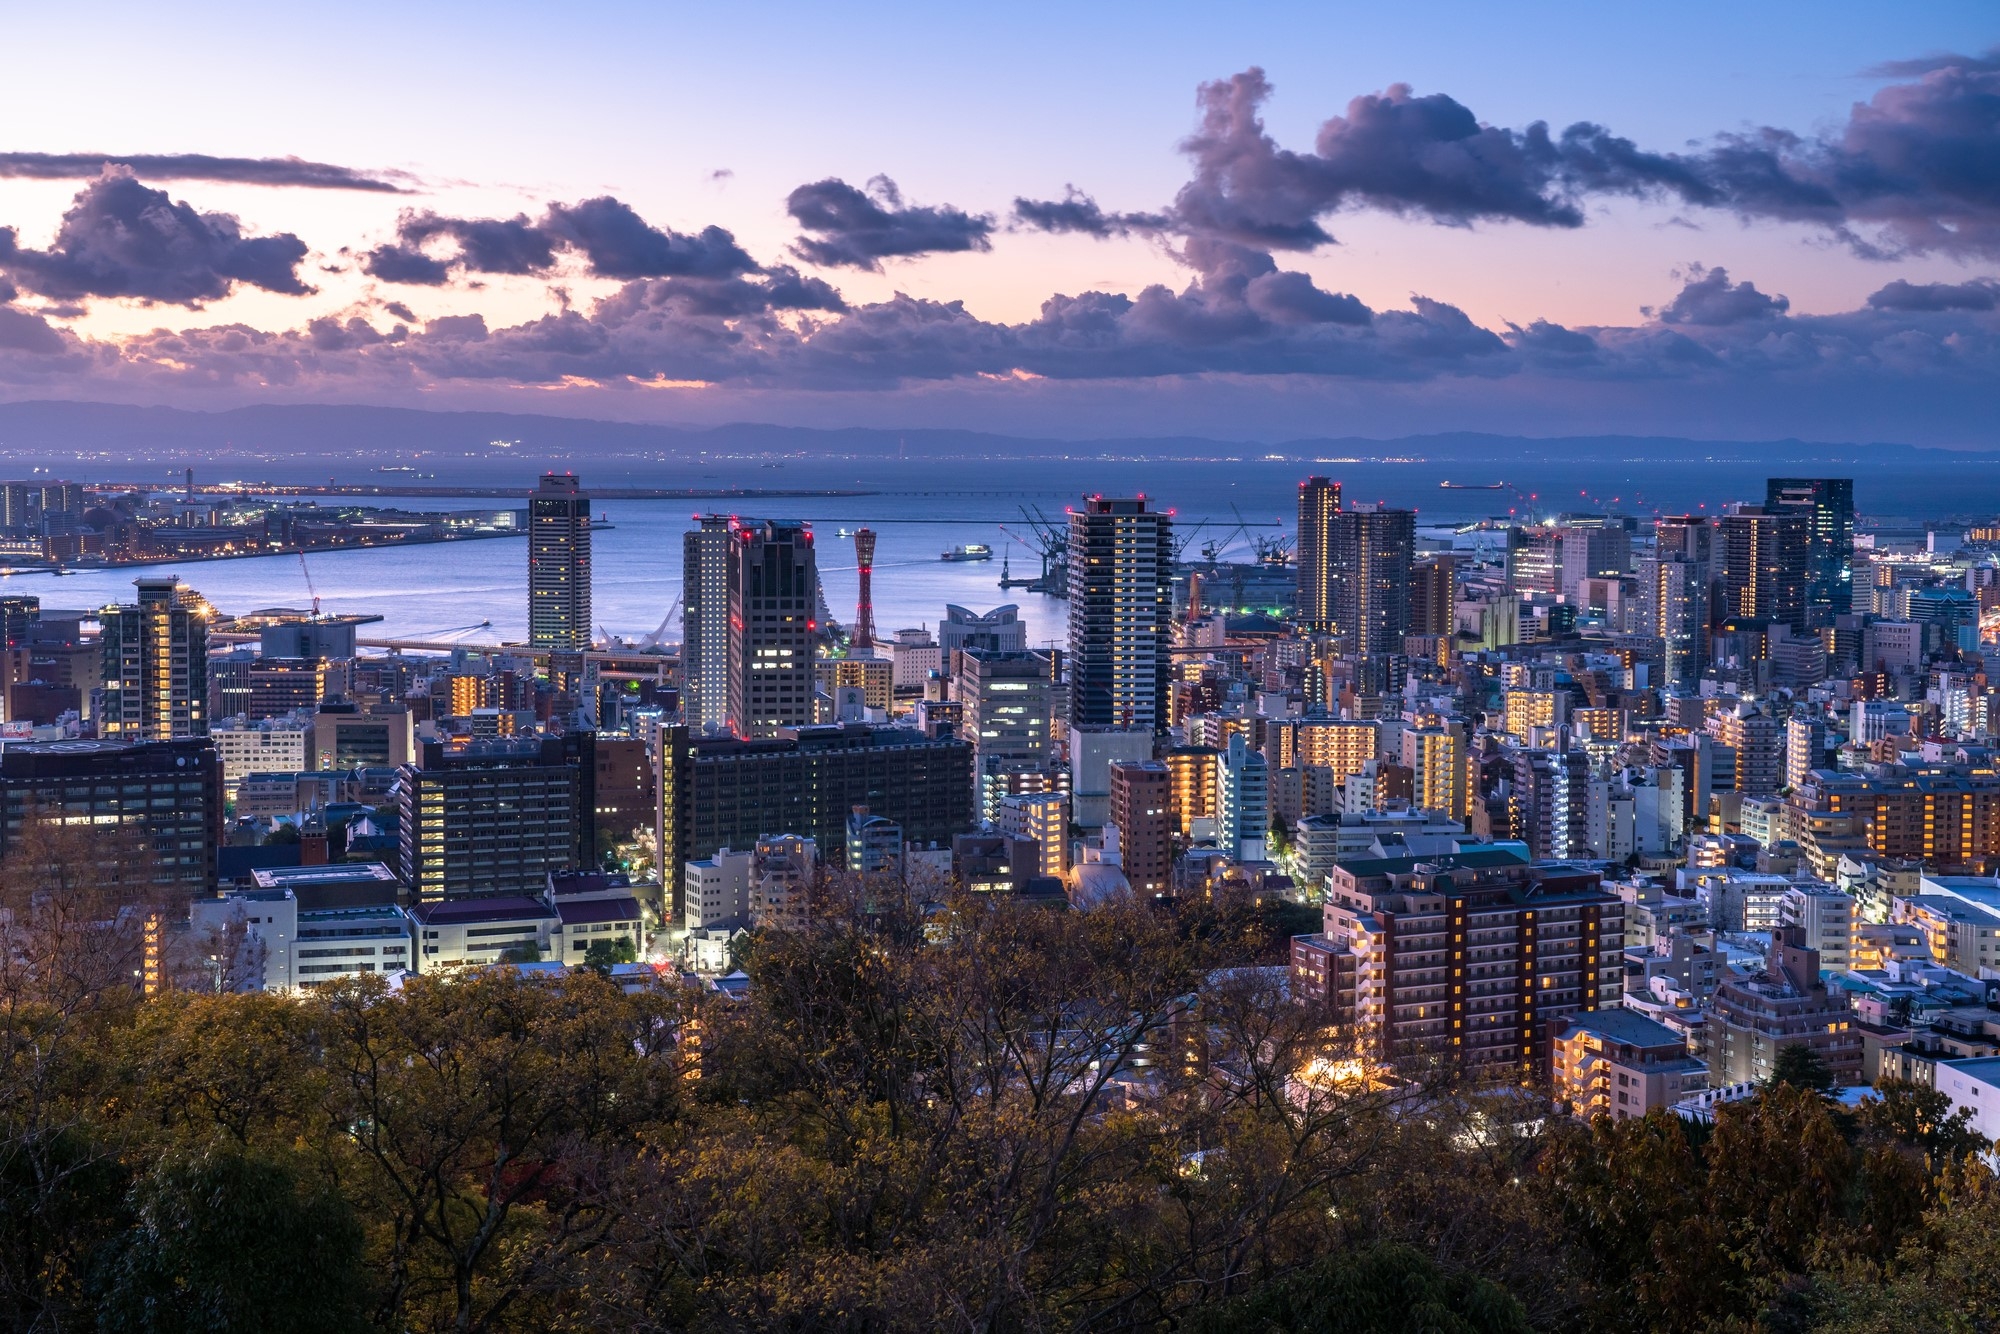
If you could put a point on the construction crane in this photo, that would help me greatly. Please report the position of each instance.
(309, 583)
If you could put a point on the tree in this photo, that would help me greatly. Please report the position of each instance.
(528, 953)
(1800, 1065)
(603, 955)
(1381, 1290)
(1921, 1118)
(224, 1241)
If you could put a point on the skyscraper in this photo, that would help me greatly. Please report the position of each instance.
(559, 564)
(1370, 553)
(1764, 554)
(705, 552)
(773, 582)
(1121, 569)
(155, 666)
(1319, 502)
(1828, 505)
(1674, 590)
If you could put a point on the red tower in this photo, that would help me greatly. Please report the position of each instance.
(864, 610)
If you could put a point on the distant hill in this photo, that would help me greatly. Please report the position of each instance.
(67, 429)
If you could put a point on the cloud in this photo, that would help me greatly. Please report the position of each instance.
(620, 244)
(1911, 171)
(123, 239)
(1709, 298)
(278, 171)
(1078, 212)
(613, 239)
(853, 229)
(1977, 294)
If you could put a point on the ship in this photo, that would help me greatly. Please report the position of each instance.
(970, 551)
(1473, 486)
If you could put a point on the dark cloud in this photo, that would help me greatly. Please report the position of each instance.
(123, 239)
(1978, 294)
(405, 264)
(400, 311)
(1709, 298)
(1078, 212)
(620, 244)
(613, 239)
(1914, 169)
(283, 171)
(853, 229)
(512, 246)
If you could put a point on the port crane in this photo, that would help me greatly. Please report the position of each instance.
(307, 570)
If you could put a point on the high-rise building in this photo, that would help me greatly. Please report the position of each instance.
(559, 564)
(1764, 558)
(1828, 504)
(705, 553)
(1433, 596)
(167, 794)
(1142, 812)
(773, 587)
(495, 817)
(1370, 554)
(1242, 801)
(1551, 802)
(1319, 502)
(1121, 568)
(718, 792)
(1673, 608)
(1465, 956)
(1435, 757)
(998, 631)
(155, 666)
(1008, 700)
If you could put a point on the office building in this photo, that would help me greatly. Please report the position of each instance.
(716, 891)
(705, 554)
(998, 631)
(773, 589)
(1319, 504)
(1468, 957)
(1142, 813)
(1370, 553)
(1009, 705)
(1674, 600)
(783, 871)
(164, 796)
(1828, 506)
(273, 745)
(559, 564)
(305, 926)
(494, 817)
(282, 686)
(458, 933)
(1121, 566)
(718, 792)
(345, 737)
(155, 665)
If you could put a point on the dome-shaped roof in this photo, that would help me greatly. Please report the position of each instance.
(1095, 883)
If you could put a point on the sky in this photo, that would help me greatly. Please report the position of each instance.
(1255, 222)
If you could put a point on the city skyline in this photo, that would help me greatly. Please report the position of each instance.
(1388, 233)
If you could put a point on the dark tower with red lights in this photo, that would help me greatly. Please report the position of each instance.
(864, 609)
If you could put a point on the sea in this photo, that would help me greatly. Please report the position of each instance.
(474, 592)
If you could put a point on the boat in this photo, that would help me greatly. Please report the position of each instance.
(970, 551)
(1473, 486)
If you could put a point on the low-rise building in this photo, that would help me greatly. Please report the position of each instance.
(454, 932)
(1620, 1064)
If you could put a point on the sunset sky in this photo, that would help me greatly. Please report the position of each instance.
(1253, 221)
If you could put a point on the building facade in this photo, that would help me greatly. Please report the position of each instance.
(155, 665)
(559, 564)
(1121, 567)
(773, 590)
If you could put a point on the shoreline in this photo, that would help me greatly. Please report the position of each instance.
(65, 571)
